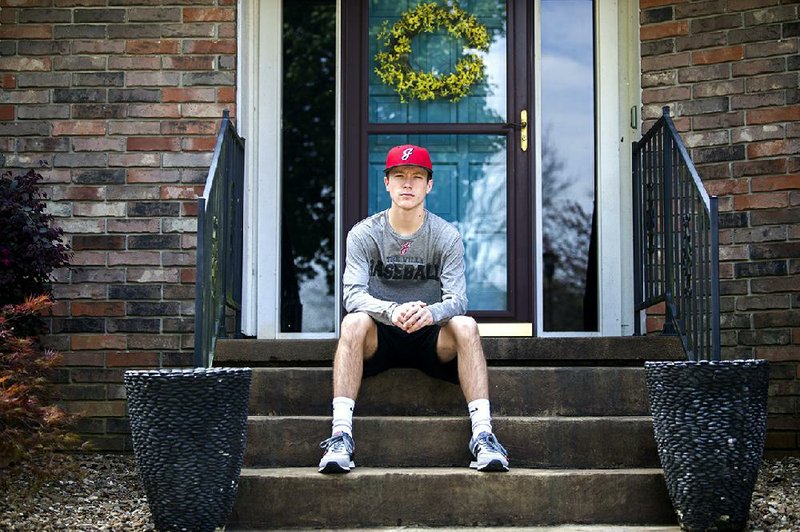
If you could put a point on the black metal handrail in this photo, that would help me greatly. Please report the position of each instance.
(218, 289)
(676, 241)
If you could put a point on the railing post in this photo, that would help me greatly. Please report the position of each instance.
(668, 229)
(637, 243)
(715, 334)
(199, 328)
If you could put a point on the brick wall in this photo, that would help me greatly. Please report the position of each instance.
(121, 100)
(729, 71)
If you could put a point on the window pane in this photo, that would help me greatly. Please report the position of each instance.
(568, 165)
(439, 52)
(469, 191)
(308, 166)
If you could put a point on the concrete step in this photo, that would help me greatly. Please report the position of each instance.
(514, 391)
(542, 351)
(558, 528)
(566, 442)
(367, 497)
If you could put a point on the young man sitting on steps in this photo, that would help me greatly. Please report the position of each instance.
(405, 293)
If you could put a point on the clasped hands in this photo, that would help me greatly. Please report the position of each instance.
(412, 316)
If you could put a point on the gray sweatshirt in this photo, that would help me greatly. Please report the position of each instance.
(384, 269)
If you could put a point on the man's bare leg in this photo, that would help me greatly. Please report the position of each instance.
(460, 338)
(357, 342)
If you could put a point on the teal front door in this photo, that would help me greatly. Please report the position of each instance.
(477, 128)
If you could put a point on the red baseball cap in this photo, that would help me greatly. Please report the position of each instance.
(409, 154)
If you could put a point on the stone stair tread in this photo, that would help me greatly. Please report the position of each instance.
(559, 528)
(375, 497)
(600, 350)
(312, 474)
(547, 391)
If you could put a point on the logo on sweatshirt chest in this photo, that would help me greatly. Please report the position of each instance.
(404, 247)
(397, 269)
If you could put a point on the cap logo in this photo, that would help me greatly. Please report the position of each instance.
(407, 153)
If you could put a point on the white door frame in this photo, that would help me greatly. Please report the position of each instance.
(259, 117)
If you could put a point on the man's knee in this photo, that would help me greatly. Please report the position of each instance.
(464, 327)
(355, 327)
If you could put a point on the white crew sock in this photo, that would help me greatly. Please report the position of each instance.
(343, 415)
(480, 415)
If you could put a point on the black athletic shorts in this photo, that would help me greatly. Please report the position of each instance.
(399, 349)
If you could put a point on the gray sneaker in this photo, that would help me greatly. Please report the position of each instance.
(489, 454)
(338, 456)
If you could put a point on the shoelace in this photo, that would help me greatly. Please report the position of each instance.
(490, 443)
(339, 443)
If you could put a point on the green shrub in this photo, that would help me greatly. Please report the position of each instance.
(30, 247)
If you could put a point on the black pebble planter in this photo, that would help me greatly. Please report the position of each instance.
(710, 427)
(189, 432)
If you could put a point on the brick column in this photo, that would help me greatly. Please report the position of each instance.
(121, 102)
(729, 71)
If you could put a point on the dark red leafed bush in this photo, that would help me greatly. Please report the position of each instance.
(29, 421)
(30, 247)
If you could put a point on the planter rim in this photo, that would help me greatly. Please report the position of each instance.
(183, 371)
(703, 363)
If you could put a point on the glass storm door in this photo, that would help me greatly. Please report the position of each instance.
(480, 146)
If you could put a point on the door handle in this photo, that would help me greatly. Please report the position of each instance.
(523, 129)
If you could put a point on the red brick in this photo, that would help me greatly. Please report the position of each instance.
(7, 112)
(85, 193)
(181, 192)
(666, 29)
(761, 201)
(134, 258)
(26, 64)
(772, 147)
(225, 46)
(90, 127)
(134, 63)
(187, 95)
(777, 182)
(725, 187)
(97, 308)
(98, 47)
(189, 209)
(154, 144)
(147, 46)
(188, 63)
(199, 143)
(25, 31)
(88, 258)
(80, 358)
(718, 55)
(96, 342)
(200, 14)
(132, 359)
(777, 114)
(778, 353)
(8, 81)
(189, 275)
(226, 94)
(188, 127)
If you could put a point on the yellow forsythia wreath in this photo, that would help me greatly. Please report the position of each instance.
(395, 70)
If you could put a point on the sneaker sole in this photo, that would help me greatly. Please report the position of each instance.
(491, 466)
(336, 467)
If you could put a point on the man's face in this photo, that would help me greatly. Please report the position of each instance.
(408, 186)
